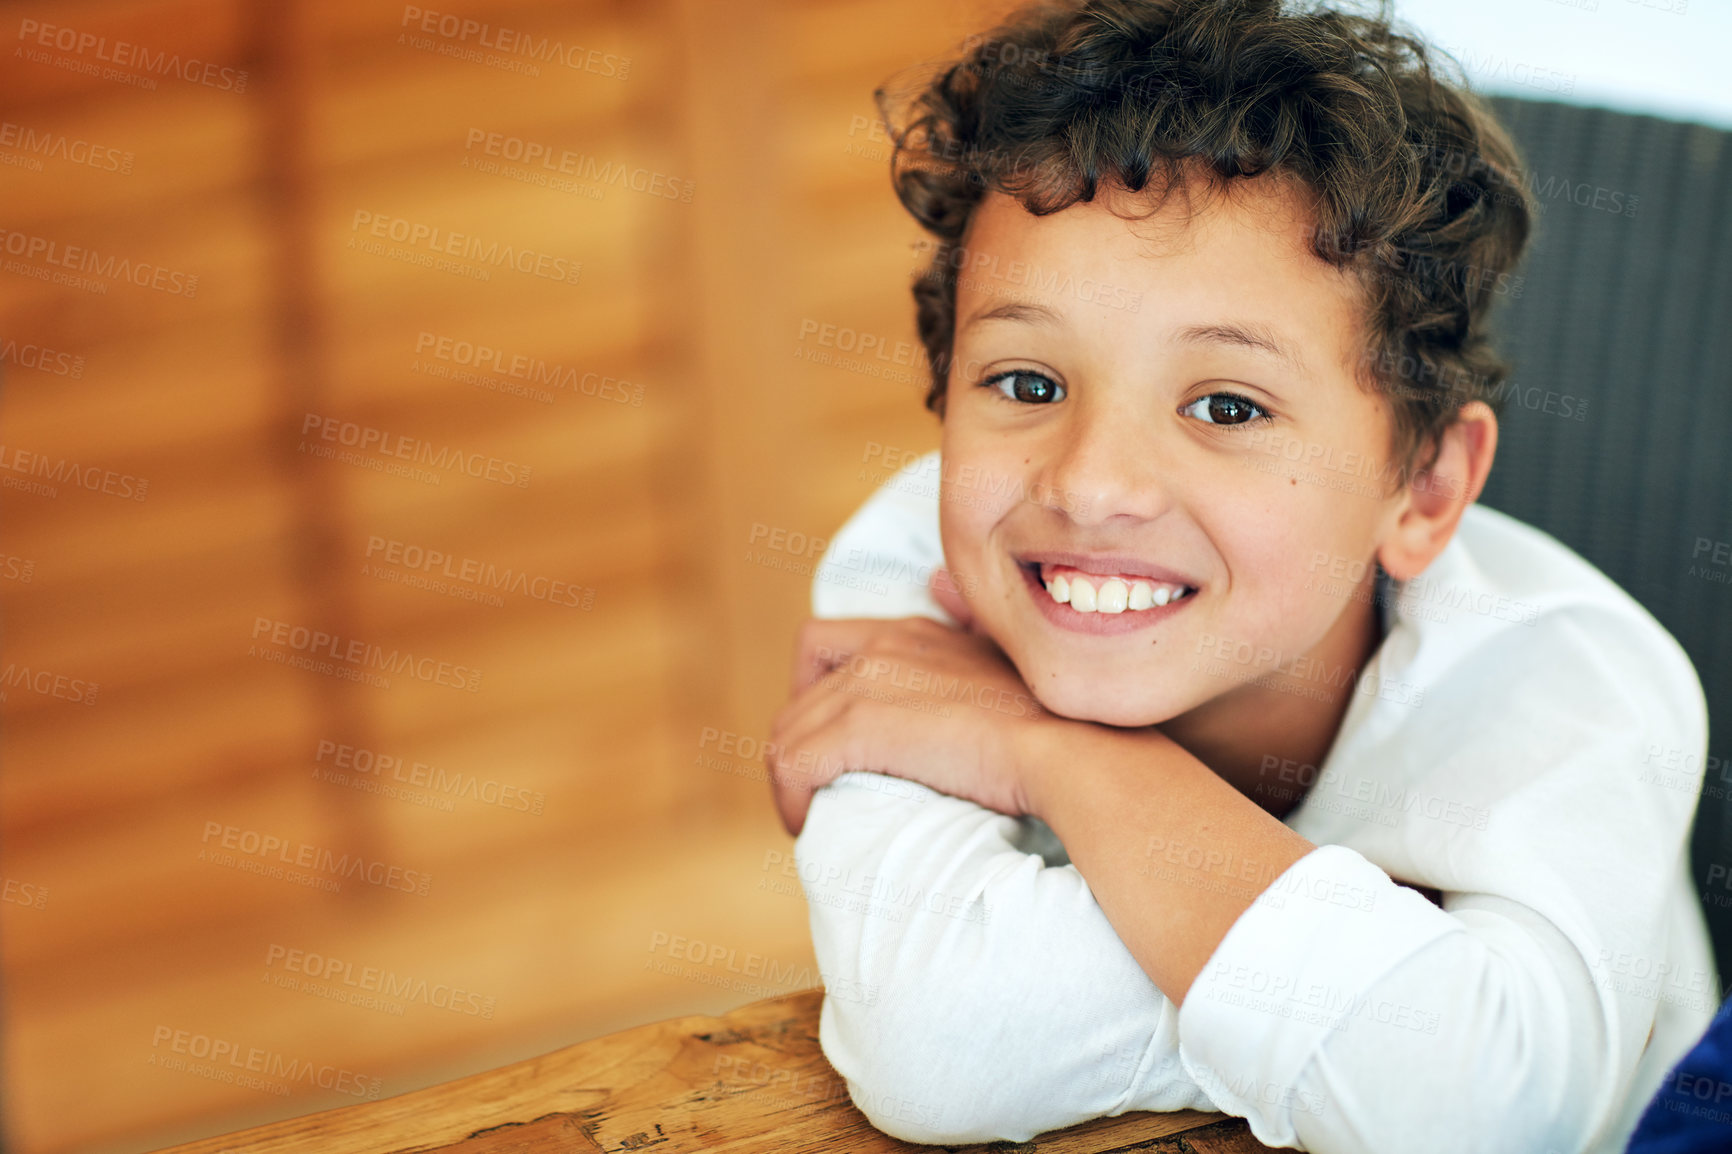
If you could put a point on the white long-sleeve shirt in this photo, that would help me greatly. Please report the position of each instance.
(1527, 740)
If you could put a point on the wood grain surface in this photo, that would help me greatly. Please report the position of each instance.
(753, 1081)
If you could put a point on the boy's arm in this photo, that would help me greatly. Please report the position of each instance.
(1338, 1010)
(986, 995)
(1175, 853)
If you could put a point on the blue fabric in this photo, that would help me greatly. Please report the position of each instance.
(1692, 1113)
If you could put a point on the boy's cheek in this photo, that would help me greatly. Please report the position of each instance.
(965, 524)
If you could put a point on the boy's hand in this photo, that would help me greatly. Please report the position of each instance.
(911, 698)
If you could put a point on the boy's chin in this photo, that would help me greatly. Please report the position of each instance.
(1077, 703)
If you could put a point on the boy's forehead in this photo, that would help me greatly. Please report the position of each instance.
(1243, 248)
(1263, 216)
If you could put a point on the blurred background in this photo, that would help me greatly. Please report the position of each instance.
(418, 427)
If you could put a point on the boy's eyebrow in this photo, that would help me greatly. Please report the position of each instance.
(1016, 311)
(1251, 336)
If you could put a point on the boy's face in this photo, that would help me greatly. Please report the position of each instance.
(1171, 402)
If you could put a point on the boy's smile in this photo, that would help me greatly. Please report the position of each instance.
(1116, 470)
(1102, 594)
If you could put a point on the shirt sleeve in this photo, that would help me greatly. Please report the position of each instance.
(990, 998)
(1344, 1013)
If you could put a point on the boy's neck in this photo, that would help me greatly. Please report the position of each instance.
(1257, 736)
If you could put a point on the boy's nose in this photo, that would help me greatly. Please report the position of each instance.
(1104, 466)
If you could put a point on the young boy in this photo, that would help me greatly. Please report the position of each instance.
(1247, 764)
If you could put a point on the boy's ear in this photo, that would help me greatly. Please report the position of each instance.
(1431, 506)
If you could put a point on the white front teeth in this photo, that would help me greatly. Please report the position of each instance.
(1113, 596)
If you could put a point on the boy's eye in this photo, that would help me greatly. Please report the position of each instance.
(1030, 388)
(1224, 409)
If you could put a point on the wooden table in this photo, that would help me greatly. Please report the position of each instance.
(753, 1081)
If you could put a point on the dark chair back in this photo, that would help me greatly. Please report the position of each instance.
(1617, 435)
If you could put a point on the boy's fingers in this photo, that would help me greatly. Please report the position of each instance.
(825, 643)
(796, 729)
(787, 808)
(791, 806)
(792, 792)
(806, 714)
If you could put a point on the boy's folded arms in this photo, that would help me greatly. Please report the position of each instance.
(1003, 1004)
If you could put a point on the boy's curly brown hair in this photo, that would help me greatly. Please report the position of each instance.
(1416, 188)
